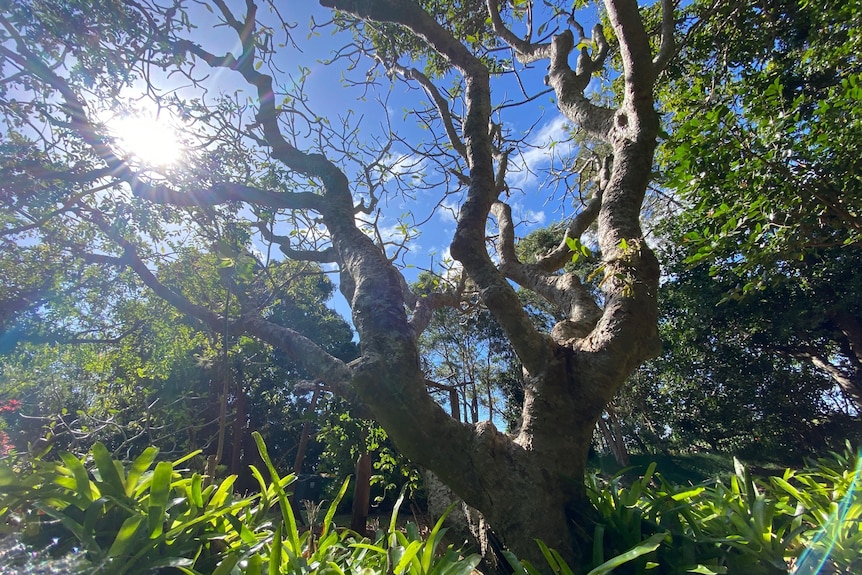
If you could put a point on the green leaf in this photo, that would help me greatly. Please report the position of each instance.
(647, 546)
(196, 492)
(125, 535)
(107, 468)
(138, 467)
(159, 491)
(330, 513)
(275, 552)
(407, 556)
(83, 486)
(705, 570)
(288, 518)
(227, 564)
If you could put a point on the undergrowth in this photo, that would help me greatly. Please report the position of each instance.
(148, 516)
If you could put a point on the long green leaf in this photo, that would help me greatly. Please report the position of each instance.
(463, 566)
(221, 495)
(160, 489)
(196, 492)
(286, 511)
(407, 556)
(125, 535)
(599, 543)
(186, 457)
(434, 539)
(227, 564)
(83, 486)
(107, 469)
(647, 546)
(393, 518)
(254, 565)
(138, 467)
(333, 507)
(275, 552)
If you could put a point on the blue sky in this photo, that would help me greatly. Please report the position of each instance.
(545, 132)
(539, 123)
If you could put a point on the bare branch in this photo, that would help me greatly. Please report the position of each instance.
(667, 48)
(442, 107)
(228, 192)
(569, 85)
(564, 291)
(327, 255)
(555, 259)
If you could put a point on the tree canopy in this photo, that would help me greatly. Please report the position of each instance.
(763, 153)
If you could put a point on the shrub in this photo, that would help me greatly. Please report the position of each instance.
(147, 517)
(736, 525)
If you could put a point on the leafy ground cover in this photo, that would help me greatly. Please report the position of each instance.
(102, 515)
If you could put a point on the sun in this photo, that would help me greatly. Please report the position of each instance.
(152, 141)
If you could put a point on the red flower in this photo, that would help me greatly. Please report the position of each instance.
(9, 405)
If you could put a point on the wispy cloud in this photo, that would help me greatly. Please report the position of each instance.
(553, 139)
(449, 210)
(526, 217)
(402, 164)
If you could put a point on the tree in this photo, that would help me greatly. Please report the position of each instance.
(266, 157)
(163, 380)
(764, 156)
(720, 386)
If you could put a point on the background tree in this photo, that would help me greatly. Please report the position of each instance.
(763, 110)
(719, 385)
(163, 381)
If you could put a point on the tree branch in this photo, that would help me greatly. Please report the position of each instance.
(442, 108)
(569, 85)
(221, 193)
(468, 244)
(525, 51)
(667, 48)
(565, 291)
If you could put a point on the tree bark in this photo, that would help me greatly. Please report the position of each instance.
(361, 495)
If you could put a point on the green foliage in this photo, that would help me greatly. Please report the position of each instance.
(132, 518)
(767, 127)
(343, 437)
(143, 516)
(559, 566)
(737, 524)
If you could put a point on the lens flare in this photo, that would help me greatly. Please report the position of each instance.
(814, 558)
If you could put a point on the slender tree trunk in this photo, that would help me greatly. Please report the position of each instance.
(240, 427)
(305, 436)
(615, 445)
(361, 495)
(455, 404)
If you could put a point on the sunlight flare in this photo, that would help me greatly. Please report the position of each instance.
(151, 140)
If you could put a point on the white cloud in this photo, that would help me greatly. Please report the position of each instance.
(524, 216)
(400, 165)
(551, 140)
(532, 217)
(449, 211)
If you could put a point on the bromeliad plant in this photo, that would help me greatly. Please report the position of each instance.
(145, 517)
(130, 518)
(737, 524)
(825, 502)
(153, 517)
